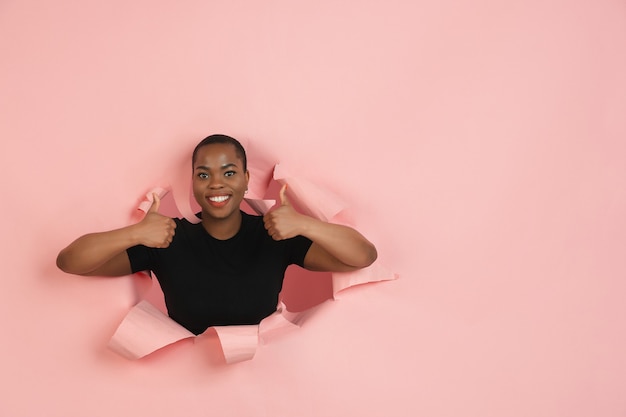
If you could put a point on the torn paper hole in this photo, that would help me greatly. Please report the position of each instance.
(147, 328)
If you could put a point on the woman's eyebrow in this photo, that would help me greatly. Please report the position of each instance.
(225, 166)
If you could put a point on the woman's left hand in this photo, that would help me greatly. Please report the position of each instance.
(283, 221)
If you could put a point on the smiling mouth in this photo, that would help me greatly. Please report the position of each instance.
(219, 198)
(218, 201)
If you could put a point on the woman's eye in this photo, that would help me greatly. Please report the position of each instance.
(229, 173)
(203, 175)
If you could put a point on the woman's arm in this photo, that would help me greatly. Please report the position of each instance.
(335, 247)
(105, 253)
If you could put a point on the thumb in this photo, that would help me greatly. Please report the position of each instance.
(284, 201)
(156, 203)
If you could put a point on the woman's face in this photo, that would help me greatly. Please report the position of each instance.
(219, 180)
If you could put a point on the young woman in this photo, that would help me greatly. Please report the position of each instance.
(229, 268)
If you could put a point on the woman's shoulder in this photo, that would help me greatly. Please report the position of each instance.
(182, 221)
(184, 226)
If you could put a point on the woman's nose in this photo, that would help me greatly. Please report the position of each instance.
(215, 182)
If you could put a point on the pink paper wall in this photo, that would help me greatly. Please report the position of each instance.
(481, 143)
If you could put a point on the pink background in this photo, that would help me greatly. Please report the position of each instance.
(482, 144)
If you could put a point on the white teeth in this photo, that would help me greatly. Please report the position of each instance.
(219, 198)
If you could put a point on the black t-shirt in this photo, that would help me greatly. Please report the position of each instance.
(211, 282)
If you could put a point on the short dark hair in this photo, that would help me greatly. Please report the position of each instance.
(210, 140)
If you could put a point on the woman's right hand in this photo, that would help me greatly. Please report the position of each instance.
(104, 253)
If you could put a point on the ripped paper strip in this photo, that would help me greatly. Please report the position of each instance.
(373, 273)
(259, 206)
(146, 329)
(323, 205)
(147, 203)
(312, 200)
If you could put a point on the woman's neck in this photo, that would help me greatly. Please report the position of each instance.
(222, 229)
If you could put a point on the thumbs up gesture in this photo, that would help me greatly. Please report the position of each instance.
(155, 230)
(283, 221)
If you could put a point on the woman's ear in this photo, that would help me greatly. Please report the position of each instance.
(247, 178)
